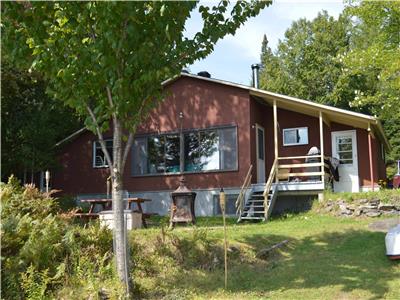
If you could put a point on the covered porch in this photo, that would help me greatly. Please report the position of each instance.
(307, 174)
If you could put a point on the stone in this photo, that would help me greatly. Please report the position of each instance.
(233, 249)
(374, 202)
(346, 212)
(369, 207)
(373, 214)
(328, 208)
(358, 212)
(352, 207)
(386, 207)
(363, 201)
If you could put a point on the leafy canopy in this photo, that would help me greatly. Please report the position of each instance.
(32, 123)
(130, 48)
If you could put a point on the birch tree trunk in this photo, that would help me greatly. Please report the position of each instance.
(120, 239)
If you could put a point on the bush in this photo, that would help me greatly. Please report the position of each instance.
(45, 255)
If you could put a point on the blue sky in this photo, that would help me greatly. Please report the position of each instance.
(233, 56)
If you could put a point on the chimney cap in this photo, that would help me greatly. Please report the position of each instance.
(255, 66)
(204, 74)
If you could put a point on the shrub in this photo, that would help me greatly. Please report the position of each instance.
(44, 253)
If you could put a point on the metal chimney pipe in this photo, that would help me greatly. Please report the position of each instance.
(255, 68)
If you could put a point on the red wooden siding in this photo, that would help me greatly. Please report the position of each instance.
(206, 104)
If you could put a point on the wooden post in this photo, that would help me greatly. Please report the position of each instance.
(321, 144)
(222, 202)
(371, 166)
(276, 136)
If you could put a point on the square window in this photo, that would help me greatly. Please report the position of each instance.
(295, 136)
(99, 159)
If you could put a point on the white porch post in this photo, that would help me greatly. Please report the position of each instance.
(321, 142)
(276, 136)
(371, 164)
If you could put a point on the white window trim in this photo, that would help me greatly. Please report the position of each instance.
(105, 165)
(293, 144)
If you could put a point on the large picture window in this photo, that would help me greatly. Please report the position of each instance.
(295, 136)
(99, 159)
(193, 151)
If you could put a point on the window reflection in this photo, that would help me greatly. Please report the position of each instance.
(203, 150)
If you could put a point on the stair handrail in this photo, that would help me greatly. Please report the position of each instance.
(268, 184)
(240, 199)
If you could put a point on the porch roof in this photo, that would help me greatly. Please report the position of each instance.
(307, 107)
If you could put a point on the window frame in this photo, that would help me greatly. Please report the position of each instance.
(294, 144)
(182, 156)
(105, 165)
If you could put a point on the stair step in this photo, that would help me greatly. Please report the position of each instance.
(260, 212)
(254, 206)
(252, 218)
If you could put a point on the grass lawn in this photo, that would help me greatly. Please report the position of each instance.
(326, 258)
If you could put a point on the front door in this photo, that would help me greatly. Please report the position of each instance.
(260, 144)
(344, 148)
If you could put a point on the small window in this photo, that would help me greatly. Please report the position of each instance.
(230, 207)
(99, 159)
(295, 136)
(344, 149)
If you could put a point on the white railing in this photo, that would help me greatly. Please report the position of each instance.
(241, 197)
(268, 185)
(287, 171)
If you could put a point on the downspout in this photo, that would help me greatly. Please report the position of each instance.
(371, 166)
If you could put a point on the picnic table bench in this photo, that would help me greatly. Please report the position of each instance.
(106, 204)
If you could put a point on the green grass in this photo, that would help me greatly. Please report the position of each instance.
(326, 257)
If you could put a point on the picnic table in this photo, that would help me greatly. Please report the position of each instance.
(106, 204)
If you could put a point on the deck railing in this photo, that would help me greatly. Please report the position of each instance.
(298, 168)
(241, 197)
(268, 185)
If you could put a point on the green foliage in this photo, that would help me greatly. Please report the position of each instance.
(373, 64)
(128, 47)
(352, 62)
(305, 64)
(32, 123)
(42, 252)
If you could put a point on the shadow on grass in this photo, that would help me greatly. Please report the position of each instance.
(350, 260)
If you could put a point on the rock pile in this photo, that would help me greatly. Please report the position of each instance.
(361, 207)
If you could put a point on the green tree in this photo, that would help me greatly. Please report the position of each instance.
(107, 60)
(305, 63)
(31, 123)
(372, 66)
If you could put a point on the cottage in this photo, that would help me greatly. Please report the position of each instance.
(249, 141)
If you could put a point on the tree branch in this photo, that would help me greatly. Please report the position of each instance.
(101, 139)
(110, 101)
(131, 135)
(126, 150)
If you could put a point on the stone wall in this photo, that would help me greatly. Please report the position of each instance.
(360, 207)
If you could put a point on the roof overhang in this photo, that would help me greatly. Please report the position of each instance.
(307, 107)
(329, 113)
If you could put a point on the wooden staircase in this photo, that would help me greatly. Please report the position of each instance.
(256, 208)
(260, 203)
